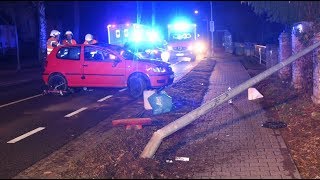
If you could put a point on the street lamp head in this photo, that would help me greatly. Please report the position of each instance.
(196, 11)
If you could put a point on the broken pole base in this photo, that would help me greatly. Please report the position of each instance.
(132, 123)
(315, 100)
(137, 127)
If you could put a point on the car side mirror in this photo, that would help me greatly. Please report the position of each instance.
(116, 62)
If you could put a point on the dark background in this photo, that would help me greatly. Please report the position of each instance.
(94, 17)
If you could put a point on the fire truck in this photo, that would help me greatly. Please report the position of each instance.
(140, 39)
(182, 41)
(119, 34)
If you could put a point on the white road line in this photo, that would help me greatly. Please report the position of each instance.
(176, 63)
(4, 105)
(25, 135)
(76, 112)
(121, 90)
(102, 99)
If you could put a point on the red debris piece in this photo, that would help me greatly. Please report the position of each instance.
(132, 122)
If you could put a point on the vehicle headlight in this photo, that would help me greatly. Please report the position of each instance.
(200, 47)
(170, 48)
(159, 69)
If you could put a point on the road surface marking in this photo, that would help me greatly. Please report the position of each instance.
(102, 99)
(121, 90)
(4, 105)
(76, 112)
(25, 135)
(176, 63)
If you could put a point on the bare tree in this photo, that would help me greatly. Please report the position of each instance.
(76, 20)
(42, 30)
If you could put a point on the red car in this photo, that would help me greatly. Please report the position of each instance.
(75, 66)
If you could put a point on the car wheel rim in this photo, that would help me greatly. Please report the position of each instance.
(58, 83)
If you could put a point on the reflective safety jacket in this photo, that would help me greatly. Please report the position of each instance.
(91, 42)
(67, 42)
(51, 43)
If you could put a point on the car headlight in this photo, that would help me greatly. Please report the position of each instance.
(170, 48)
(200, 47)
(159, 69)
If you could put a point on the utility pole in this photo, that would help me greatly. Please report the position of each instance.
(153, 20)
(139, 9)
(211, 29)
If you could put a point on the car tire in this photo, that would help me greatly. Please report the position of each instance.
(58, 82)
(136, 86)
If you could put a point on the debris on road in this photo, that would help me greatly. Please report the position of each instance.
(274, 124)
(169, 161)
(182, 159)
(160, 102)
(253, 94)
(132, 122)
(230, 100)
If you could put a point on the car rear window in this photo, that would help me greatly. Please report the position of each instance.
(69, 53)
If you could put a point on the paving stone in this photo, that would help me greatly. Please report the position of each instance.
(246, 150)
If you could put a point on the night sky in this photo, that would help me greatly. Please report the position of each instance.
(238, 18)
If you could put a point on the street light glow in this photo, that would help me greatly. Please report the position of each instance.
(196, 11)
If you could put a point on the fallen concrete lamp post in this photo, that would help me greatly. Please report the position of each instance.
(183, 121)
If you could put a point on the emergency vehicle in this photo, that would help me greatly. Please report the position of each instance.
(182, 41)
(140, 39)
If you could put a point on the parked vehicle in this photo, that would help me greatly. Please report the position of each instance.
(103, 66)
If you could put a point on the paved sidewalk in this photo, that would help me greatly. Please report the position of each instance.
(239, 146)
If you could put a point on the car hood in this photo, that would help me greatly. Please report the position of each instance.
(154, 62)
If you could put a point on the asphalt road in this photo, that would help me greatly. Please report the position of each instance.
(32, 125)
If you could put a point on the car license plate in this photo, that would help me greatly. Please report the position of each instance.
(179, 54)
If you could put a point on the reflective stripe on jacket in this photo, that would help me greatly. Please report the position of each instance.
(67, 42)
(50, 43)
(91, 42)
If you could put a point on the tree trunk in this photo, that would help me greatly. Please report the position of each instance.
(285, 52)
(18, 68)
(42, 32)
(301, 68)
(76, 21)
(316, 72)
(271, 55)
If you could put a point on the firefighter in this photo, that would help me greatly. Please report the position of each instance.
(69, 40)
(89, 39)
(53, 41)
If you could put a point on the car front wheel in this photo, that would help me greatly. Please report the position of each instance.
(58, 84)
(136, 86)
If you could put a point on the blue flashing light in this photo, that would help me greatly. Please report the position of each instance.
(137, 35)
(181, 26)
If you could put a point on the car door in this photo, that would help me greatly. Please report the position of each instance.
(100, 68)
(68, 63)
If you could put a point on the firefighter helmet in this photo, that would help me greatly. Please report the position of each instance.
(69, 33)
(54, 33)
(89, 37)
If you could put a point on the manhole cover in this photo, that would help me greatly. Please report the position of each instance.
(274, 124)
